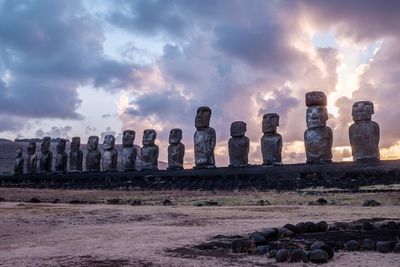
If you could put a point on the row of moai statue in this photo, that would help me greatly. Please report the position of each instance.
(363, 133)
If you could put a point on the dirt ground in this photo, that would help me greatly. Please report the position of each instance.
(100, 234)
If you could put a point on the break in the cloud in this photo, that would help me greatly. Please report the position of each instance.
(241, 58)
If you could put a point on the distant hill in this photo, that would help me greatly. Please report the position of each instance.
(3, 140)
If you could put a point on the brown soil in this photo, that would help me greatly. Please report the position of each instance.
(47, 234)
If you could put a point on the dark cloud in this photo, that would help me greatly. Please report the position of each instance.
(55, 132)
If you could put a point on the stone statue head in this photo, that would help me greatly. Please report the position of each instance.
(362, 110)
(128, 137)
(19, 152)
(93, 143)
(31, 148)
(316, 98)
(270, 122)
(109, 142)
(316, 116)
(149, 137)
(175, 136)
(75, 143)
(61, 145)
(203, 116)
(238, 128)
(45, 146)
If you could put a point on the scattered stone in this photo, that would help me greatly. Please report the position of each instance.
(76, 201)
(310, 227)
(263, 202)
(258, 238)
(323, 246)
(397, 247)
(270, 233)
(167, 202)
(352, 245)
(55, 201)
(2, 199)
(114, 201)
(35, 200)
(371, 203)
(300, 227)
(241, 245)
(385, 246)
(321, 226)
(135, 202)
(322, 201)
(369, 244)
(272, 253)
(291, 227)
(367, 226)
(318, 256)
(261, 250)
(283, 232)
(298, 255)
(282, 255)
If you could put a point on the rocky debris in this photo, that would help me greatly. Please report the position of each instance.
(34, 200)
(318, 256)
(261, 250)
(369, 244)
(352, 245)
(167, 202)
(272, 253)
(242, 245)
(291, 227)
(298, 255)
(77, 201)
(397, 248)
(258, 238)
(367, 226)
(2, 199)
(385, 246)
(371, 203)
(56, 201)
(270, 233)
(322, 226)
(322, 246)
(114, 201)
(322, 201)
(282, 255)
(135, 202)
(206, 203)
(263, 202)
(284, 232)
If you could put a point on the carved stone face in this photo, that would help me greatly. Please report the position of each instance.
(202, 117)
(270, 122)
(238, 128)
(109, 141)
(362, 110)
(31, 148)
(61, 145)
(316, 116)
(149, 137)
(175, 136)
(19, 152)
(128, 137)
(316, 98)
(45, 146)
(93, 143)
(75, 143)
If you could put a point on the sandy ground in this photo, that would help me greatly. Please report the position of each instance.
(47, 234)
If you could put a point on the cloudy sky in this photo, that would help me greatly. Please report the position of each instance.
(81, 68)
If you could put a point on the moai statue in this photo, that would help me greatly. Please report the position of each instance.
(318, 137)
(46, 159)
(238, 145)
(61, 157)
(204, 140)
(93, 155)
(271, 141)
(32, 159)
(364, 133)
(149, 151)
(176, 150)
(128, 156)
(110, 155)
(19, 162)
(75, 155)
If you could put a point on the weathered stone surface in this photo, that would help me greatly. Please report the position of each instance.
(282, 255)
(32, 159)
(93, 155)
(238, 145)
(364, 133)
(204, 139)
(318, 137)
(298, 255)
(110, 154)
(323, 246)
(321, 226)
(371, 203)
(352, 245)
(46, 159)
(258, 238)
(149, 151)
(261, 250)
(318, 256)
(316, 98)
(369, 244)
(385, 246)
(128, 154)
(61, 157)
(271, 141)
(75, 155)
(397, 247)
(19, 162)
(241, 245)
(176, 150)
(291, 227)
